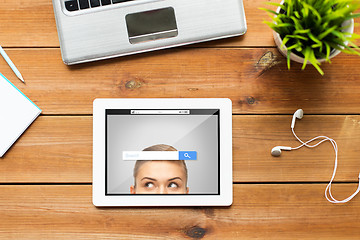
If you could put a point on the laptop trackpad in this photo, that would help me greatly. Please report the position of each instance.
(151, 25)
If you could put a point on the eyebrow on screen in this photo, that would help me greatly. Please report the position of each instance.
(175, 178)
(152, 179)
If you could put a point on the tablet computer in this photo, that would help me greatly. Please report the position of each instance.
(162, 152)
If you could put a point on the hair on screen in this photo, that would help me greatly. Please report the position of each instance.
(159, 147)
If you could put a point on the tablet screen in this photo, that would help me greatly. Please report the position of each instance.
(162, 151)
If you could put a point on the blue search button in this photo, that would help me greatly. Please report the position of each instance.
(187, 155)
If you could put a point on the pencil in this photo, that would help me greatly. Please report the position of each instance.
(11, 64)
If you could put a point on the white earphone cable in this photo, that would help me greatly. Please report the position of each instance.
(328, 194)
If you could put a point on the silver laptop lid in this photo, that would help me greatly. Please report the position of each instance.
(91, 30)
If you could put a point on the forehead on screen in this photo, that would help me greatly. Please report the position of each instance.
(159, 147)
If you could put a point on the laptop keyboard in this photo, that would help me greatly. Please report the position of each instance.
(75, 5)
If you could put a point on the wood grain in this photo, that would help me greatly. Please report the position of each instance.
(58, 149)
(32, 24)
(239, 74)
(53, 149)
(255, 136)
(259, 212)
(28, 24)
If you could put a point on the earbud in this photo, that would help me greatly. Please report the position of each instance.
(298, 114)
(276, 151)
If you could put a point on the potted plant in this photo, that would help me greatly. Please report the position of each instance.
(314, 31)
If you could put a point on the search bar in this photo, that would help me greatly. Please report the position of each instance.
(160, 112)
(159, 155)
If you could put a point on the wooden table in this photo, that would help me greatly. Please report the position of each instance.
(46, 177)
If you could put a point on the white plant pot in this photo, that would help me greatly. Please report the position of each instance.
(296, 58)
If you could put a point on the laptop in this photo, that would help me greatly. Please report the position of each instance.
(92, 30)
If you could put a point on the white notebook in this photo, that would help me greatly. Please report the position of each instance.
(17, 112)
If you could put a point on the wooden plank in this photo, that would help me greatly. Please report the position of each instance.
(255, 136)
(259, 212)
(53, 149)
(192, 73)
(48, 153)
(32, 24)
(28, 23)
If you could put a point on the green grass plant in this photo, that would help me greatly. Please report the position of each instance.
(313, 28)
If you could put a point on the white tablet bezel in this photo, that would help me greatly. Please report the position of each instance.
(225, 197)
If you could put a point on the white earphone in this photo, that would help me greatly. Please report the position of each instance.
(276, 151)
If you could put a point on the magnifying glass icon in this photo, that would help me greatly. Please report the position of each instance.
(187, 155)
